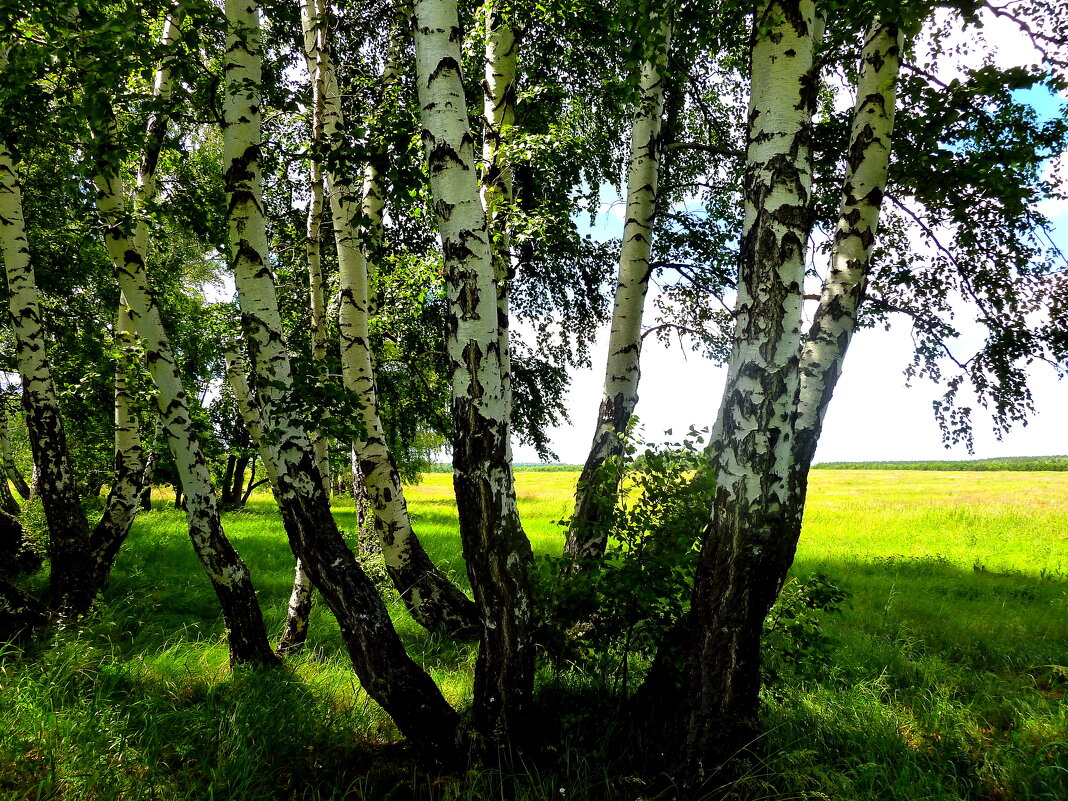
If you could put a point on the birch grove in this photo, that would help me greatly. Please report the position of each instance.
(165, 171)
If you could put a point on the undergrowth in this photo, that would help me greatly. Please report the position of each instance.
(943, 676)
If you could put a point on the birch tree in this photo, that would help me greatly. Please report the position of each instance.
(71, 585)
(431, 598)
(229, 575)
(777, 387)
(386, 671)
(496, 549)
(595, 493)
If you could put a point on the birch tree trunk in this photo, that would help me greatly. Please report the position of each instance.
(385, 670)
(498, 118)
(71, 587)
(312, 17)
(430, 597)
(7, 456)
(295, 632)
(229, 576)
(124, 497)
(596, 490)
(150, 467)
(862, 193)
(497, 551)
(756, 515)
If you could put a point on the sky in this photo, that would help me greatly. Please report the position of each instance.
(874, 414)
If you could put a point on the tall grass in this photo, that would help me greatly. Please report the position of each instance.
(948, 681)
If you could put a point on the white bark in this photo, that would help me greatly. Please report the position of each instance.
(385, 670)
(495, 547)
(622, 370)
(68, 528)
(295, 632)
(427, 593)
(756, 515)
(227, 572)
(498, 118)
(314, 27)
(862, 193)
(124, 497)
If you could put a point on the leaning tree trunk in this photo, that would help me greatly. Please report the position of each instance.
(428, 594)
(497, 551)
(229, 576)
(385, 670)
(295, 632)
(8, 468)
(71, 586)
(756, 515)
(835, 319)
(596, 490)
(124, 497)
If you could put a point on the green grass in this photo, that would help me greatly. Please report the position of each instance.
(948, 682)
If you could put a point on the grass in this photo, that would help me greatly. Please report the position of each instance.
(948, 679)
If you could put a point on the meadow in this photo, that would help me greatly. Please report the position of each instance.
(947, 681)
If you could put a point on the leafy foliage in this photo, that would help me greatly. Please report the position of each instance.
(607, 614)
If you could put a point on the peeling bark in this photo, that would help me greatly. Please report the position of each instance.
(756, 516)
(496, 549)
(430, 597)
(596, 490)
(385, 670)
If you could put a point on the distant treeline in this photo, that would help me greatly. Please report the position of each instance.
(519, 467)
(1024, 463)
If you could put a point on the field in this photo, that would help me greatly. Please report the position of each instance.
(948, 678)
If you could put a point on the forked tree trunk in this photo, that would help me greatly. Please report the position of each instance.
(71, 586)
(596, 491)
(428, 594)
(385, 670)
(497, 551)
(777, 394)
(229, 576)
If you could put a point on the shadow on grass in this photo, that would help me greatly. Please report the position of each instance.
(942, 686)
